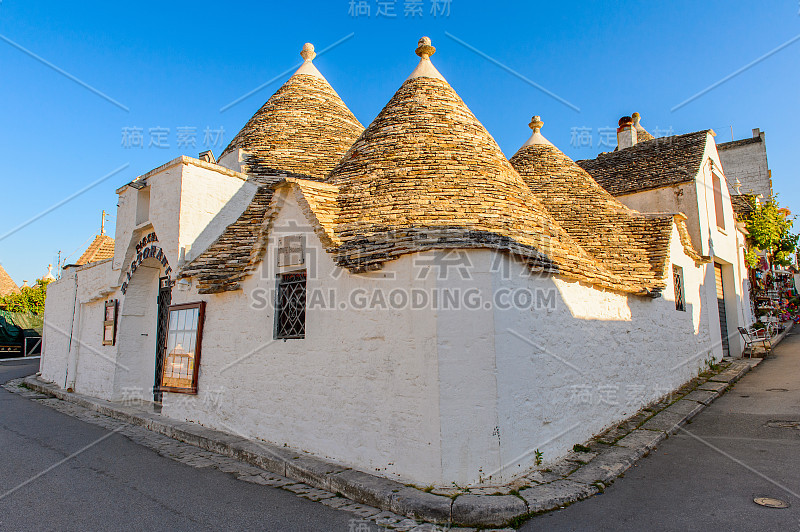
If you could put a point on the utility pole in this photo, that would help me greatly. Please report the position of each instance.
(103, 224)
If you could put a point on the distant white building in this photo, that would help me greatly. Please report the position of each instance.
(684, 173)
(402, 299)
(745, 163)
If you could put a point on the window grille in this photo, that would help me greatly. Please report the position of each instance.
(677, 280)
(290, 307)
(110, 322)
(182, 360)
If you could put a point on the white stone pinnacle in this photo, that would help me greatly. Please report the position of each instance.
(425, 68)
(537, 137)
(308, 54)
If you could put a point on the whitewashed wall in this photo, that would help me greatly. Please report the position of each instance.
(191, 203)
(431, 395)
(209, 202)
(58, 316)
(514, 379)
(187, 197)
(444, 395)
(361, 388)
(75, 307)
(568, 372)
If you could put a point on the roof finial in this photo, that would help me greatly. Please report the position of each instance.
(425, 68)
(536, 124)
(536, 137)
(636, 118)
(308, 52)
(424, 48)
(49, 276)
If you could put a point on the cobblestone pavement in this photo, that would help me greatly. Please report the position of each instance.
(364, 517)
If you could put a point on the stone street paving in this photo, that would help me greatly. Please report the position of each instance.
(360, 518)
(588, 471)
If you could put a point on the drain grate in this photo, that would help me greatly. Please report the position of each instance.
(784, 424)
(769, 502)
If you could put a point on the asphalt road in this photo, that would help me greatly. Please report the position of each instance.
(707, 477)
(119, 485)
(701, 479)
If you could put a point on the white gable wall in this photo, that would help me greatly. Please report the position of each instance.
(191, 203)
(185, 199)
(210, 201)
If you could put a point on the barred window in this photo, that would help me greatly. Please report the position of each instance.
(677, 281)
(290, 306)
(110, 322)
(182, 360)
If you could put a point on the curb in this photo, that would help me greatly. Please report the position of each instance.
(466, 509)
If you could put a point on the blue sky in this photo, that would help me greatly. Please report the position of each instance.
(174, 65)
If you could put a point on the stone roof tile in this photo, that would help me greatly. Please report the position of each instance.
(651, 164)
(101, 248)
(7, 284)
(304, 128)
(427, 175)
(632, 245)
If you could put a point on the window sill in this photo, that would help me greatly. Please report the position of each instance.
(190, 391)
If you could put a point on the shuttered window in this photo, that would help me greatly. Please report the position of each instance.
(110, 322)
(720, 213)
(182, 359)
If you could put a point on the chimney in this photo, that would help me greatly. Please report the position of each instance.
(207, 156)
(626, 133)
(756, 132)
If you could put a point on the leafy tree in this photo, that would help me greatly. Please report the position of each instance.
(770, 232)
(29, 299)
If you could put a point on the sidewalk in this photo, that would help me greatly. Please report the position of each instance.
(578, 476)
(746, 445)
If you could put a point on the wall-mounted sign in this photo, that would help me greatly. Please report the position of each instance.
(291, 251)
(145, 249)
(146, 240)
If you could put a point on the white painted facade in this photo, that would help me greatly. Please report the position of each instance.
(724, 245)
(461, 391)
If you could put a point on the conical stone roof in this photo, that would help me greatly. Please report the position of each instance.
(304, 128)
(101, 248)
(633, 245)
(7, 284)
(426, 174)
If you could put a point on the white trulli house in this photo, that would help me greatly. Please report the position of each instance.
(402, 299)
(684, 173)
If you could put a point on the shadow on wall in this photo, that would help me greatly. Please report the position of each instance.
(136, 342)
(563, 378)
(229, 213)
